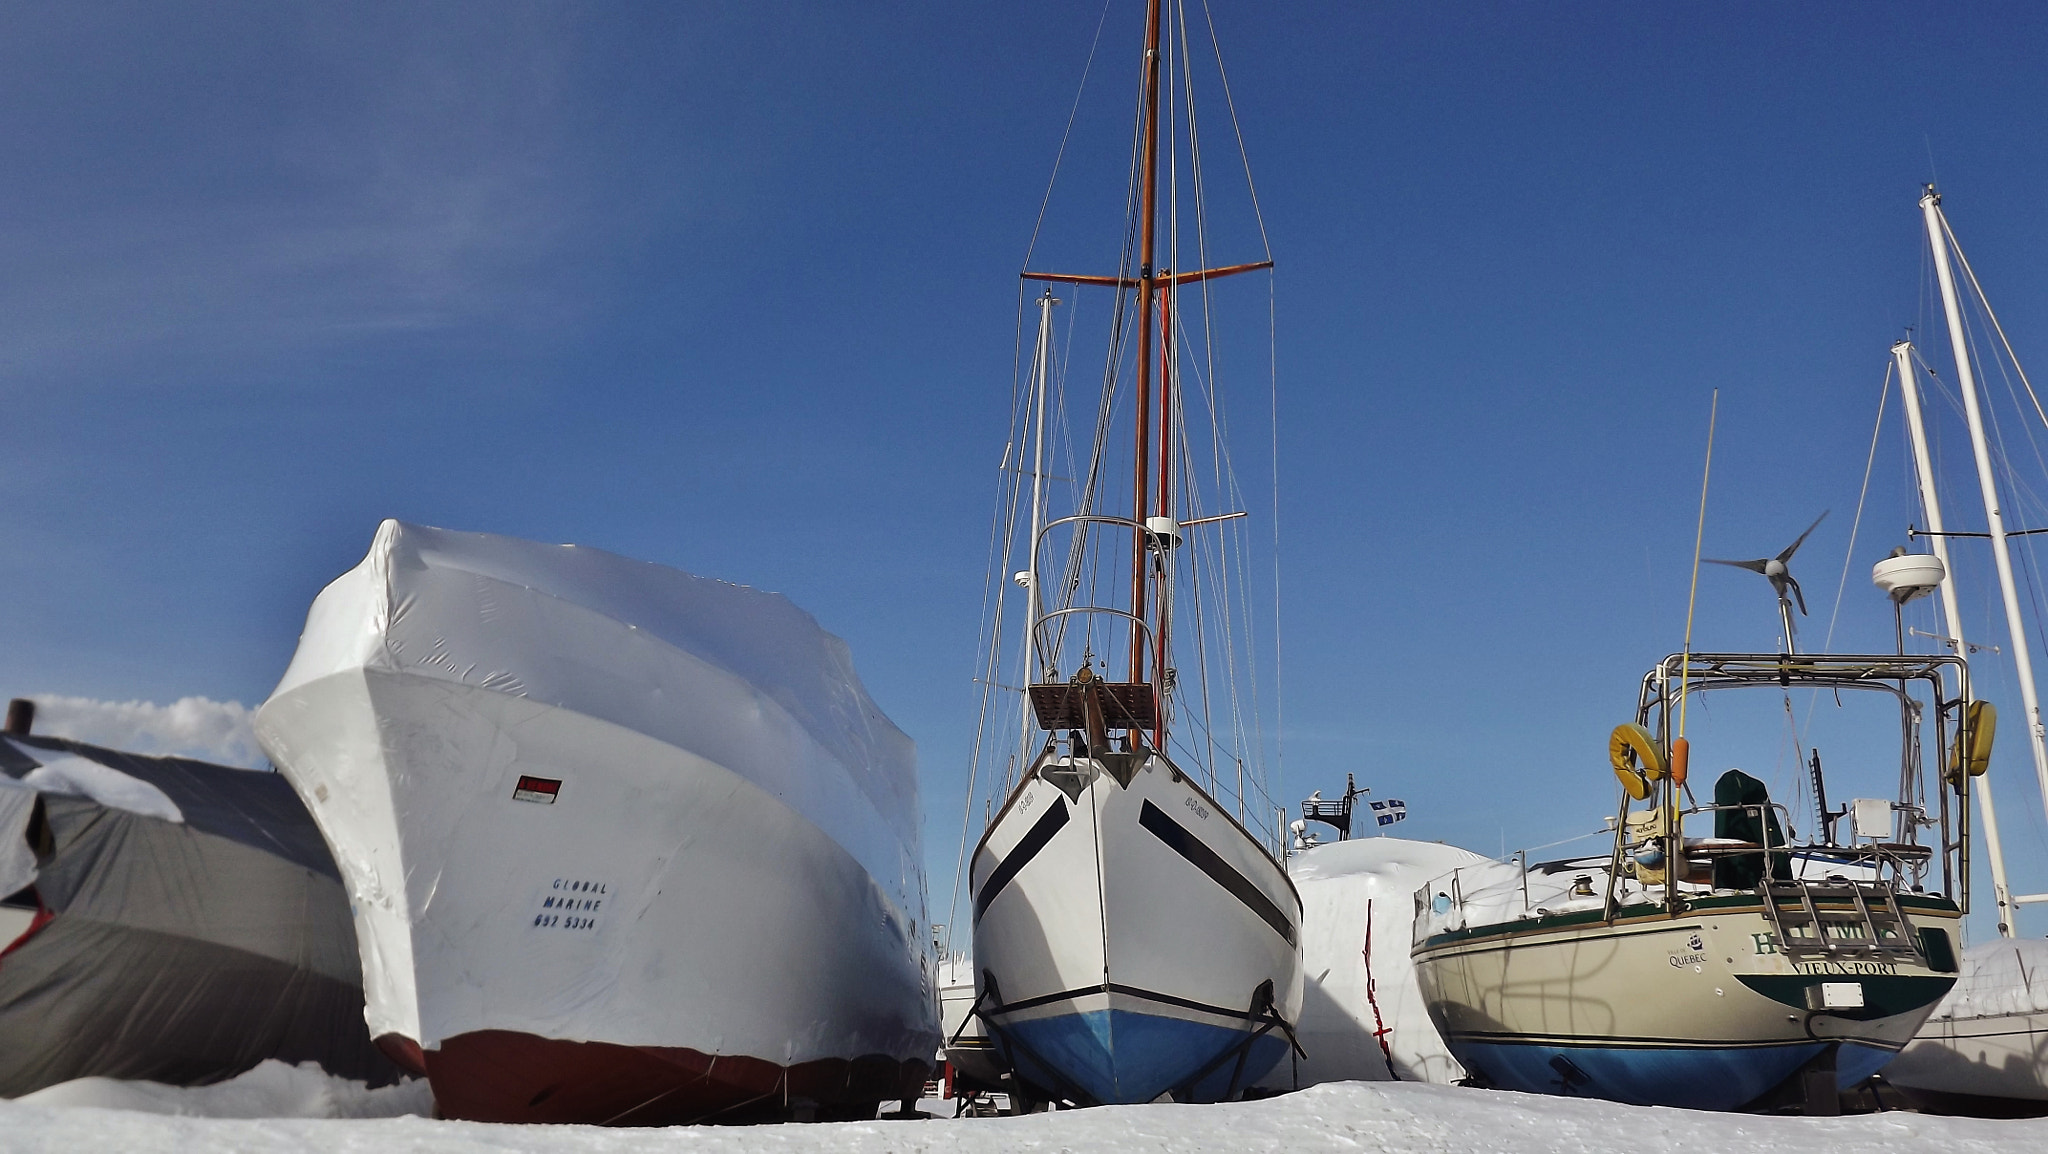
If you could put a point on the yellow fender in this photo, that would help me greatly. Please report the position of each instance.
(1980, 721)
(1636, 760)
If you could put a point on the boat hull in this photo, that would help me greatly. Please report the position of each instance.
(1985, 1049)
(1133, 940)
(1995, 1065)
(661, 941)
(1699, 1011)
(503, 1076)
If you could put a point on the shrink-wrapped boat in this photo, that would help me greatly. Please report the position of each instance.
(1984, 1050)
(626, 845)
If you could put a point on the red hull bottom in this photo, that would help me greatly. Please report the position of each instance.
(502, 1076)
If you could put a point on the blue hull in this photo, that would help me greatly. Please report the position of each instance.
(1695, 1078)
(1122, 1057)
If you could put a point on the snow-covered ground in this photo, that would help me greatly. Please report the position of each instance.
(300, 1111)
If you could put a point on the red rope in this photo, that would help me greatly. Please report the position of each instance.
(1381, 1031)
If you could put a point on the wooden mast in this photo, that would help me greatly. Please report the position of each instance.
(1054, 706)
(1163, 507)
(1148, 200)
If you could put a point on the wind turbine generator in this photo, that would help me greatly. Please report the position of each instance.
(1778, 570)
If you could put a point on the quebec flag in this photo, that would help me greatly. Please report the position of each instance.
(1388, 812)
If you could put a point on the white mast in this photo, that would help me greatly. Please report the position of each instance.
(1930, 505)
(1042, 373)
(1966, 380)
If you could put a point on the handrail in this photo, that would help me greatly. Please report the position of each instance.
(1048, 649)
(1123, 613)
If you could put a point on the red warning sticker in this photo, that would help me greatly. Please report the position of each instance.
(540, 789)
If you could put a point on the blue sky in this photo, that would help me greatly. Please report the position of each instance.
(732, 287)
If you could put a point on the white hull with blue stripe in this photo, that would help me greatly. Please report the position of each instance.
(1132, 939)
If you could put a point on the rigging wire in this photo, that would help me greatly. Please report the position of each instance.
(1217, 575)
(1699, 540)
(1073, 112)
(1002, 531)
(1992, 316)
(2022, 495)
(1849, 555)
(1251, 185)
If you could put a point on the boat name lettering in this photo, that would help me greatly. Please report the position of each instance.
(1765, 944)
(578, 885)
(1880, 968)
(1680, 961)
(1025, 803)
(1197, 808)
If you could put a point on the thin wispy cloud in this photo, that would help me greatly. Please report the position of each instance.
(254, 212)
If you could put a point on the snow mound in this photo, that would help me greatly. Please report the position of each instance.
(1391, 1117)
(82, 777)
(271, 1090)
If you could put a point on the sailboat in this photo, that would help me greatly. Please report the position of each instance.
(1742, 969)
(1133, 936)
(1985, 1049)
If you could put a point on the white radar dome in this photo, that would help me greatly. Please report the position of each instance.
(1908, 576)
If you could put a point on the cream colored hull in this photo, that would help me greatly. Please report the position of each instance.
(1702, 1010)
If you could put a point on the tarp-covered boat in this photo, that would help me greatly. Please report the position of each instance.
(626, 845)
(167, 919)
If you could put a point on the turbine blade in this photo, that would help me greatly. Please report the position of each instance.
(1794, 547)
(1756, 566)
(1801, 597)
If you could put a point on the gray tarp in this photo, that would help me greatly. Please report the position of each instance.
(181, 952)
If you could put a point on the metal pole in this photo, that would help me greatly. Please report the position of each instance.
(1035, 663)
(1930, 508)
(1034, 605)
(1966, 380)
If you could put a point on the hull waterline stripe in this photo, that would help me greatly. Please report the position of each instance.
(1026, 849)
(1633, 1042)
(1128, 991)
(1187, 845)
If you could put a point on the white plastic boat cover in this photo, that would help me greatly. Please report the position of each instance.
(600, 634)
(1347, 889)
(190, 923)
(2001, 976)
(721, 861)
(1984, 1050)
